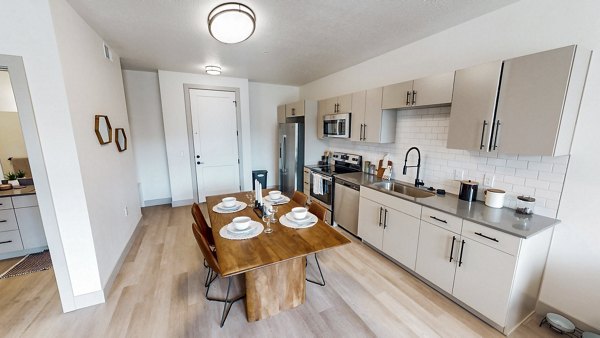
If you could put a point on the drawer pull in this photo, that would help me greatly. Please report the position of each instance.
(462, 249)
(3, 221)
(452, 248)
(438, 219)
(380, 211)
(5, 242)
(484, 236)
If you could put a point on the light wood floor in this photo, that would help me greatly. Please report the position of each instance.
(159, 293)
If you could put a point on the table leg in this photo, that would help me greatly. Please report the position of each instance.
(275, 288)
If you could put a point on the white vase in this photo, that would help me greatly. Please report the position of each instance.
(14, 183)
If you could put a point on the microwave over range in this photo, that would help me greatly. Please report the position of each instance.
(337, 125)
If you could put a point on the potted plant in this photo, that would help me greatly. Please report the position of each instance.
(12, 179)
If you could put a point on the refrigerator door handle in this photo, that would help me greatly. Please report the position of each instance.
(284, 158)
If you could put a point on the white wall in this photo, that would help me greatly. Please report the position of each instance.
(176, 132)
(29, 33)
(264, 99)
(95, 86)
(572, 276)
(12, 143)
(147, 133)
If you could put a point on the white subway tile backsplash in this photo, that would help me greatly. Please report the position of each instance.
(517, 164)
(540, 166)
(537, 176)
(526, 173)
(551, 177)
(534, 183)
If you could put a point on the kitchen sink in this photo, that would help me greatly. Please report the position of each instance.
(402, 189)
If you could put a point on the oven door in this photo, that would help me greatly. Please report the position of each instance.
(327, 195)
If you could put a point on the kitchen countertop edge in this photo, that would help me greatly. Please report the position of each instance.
(28, 190)
(365, 180)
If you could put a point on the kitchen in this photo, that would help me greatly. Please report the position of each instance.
(441, 167)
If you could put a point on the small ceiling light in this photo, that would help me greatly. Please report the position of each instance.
(231, 22)
(213, 70)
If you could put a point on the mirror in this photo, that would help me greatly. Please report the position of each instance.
(13, 153)
(103, 129)
(121, 139)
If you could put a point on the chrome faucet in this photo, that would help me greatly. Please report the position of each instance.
(418, 182)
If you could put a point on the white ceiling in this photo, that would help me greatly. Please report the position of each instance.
(295, 42)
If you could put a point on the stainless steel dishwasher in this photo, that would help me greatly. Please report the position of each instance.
(345, 205)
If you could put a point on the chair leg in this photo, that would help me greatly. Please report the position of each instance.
(322, 282)
(228, 302)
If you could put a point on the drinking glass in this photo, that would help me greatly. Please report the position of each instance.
(251, 199)
(267, 219)
(273, 214)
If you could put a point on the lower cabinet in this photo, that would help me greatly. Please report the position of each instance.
(484, 278)
(390, 230)
(21, 226)
(493, 273)
(437, 255)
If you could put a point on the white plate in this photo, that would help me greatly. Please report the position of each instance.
(291, 224)
(257, 230)
(219, 208)
(235, 206)
(281, 200)
(309, 218)
(231, 228)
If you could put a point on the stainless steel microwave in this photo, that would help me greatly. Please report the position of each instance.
(336, 125)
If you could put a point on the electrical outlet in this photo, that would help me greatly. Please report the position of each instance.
(459, 174)
(488, 180)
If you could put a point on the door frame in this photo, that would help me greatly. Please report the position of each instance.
(190, 130)
(18, 79)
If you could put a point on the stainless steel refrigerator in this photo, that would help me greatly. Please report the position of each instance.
(291, 157)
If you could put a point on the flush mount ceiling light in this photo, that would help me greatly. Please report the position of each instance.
(213, 70)
(231, 22)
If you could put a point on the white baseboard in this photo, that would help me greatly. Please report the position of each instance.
(119, 264)
(158, 201)
(89, 299)
(182, 203)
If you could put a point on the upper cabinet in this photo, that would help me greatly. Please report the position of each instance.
(336, 105)
(428, 91)
(294, 109)
(281, 113)
(538, 99)
(473, 106)
(370, 122)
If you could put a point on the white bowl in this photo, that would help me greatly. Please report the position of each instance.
(274, 195)
(241, 223)
(228, 202)
(299, 212)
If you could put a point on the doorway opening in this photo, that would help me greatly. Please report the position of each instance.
(214, 129)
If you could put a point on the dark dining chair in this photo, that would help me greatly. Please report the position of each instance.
(319, 211)
(299, 198)
(213, 265)
(201, 222)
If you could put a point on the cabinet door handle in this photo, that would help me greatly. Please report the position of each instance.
(293, 111)
(380, 210)
(439, 219)
(361, 132)
(385, 219)
(484, 236)
(452, 248)
(407, 98)
(3, 221)
(481, 146)
(462, 249)
(365, 133)
(6, 242)
(414, 97)
(496, 137)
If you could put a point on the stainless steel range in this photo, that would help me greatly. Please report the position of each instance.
(322, 179)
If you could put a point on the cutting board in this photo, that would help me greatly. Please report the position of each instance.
(381, 168)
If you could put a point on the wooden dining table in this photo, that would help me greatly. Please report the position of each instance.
(274, 264)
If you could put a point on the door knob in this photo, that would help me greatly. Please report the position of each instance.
(199, 162)
(197, 156)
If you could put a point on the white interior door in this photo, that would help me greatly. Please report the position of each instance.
(214, 124)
